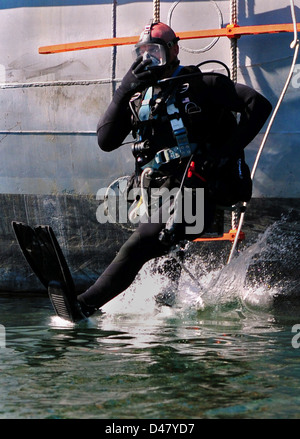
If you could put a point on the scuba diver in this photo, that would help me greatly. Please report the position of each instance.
(190, 131)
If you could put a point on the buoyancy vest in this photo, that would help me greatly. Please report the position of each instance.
(195, 127)
(176, 123)
(161, 134)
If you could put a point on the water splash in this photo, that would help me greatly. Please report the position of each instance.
(264, 270)
(58, 322)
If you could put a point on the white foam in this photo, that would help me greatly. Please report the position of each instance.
(222, 286)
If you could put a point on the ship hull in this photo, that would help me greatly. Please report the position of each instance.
(51, 167)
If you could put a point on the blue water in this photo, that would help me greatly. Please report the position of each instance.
(224, 350)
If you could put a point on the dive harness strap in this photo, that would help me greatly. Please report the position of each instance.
(183, 149)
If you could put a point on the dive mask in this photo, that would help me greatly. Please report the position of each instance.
(154, 51)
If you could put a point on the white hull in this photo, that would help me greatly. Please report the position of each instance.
(51, 167)
(47, 131)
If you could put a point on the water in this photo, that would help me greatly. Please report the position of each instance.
(225, 349)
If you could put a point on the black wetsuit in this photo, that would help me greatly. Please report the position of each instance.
(206, 105)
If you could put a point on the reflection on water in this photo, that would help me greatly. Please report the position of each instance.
(223, 351)
(184, 365)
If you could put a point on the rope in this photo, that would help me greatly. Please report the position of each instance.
(233, 12)
(46, 133)
(233, 59)
(294, 45)
(235, 216)
(156, 11)
(233, 68)
(57, 83)
(114, 48)
(233, 41)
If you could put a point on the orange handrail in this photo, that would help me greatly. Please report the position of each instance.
(230, 236)
(93, 44)
(231, 31)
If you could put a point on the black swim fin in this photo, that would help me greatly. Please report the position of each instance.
(48, 240)
(64, 303)
(40, 257)
(45, 257)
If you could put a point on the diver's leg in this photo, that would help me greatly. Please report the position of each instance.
(142, 246)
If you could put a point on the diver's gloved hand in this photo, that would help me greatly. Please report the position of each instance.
(137, 78)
